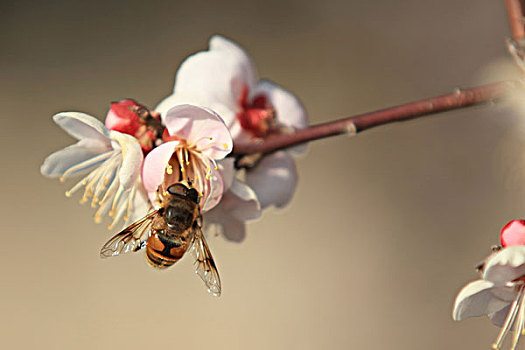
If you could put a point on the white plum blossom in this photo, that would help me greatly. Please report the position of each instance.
(112, 161)
(197, 139)
(498, 295)
(225, 79)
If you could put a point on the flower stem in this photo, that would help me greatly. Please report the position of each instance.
(459, 98)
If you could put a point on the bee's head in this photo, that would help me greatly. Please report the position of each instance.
(182, 191)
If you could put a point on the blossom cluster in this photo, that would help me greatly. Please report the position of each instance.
(137, 153)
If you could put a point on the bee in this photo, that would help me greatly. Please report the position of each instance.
(167, 233)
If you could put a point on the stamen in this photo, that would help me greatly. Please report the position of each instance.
(518, 326)
(169, 169)
(509, 320)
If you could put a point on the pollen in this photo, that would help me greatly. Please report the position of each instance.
(225, 146)
(68, 194)
(169, 169)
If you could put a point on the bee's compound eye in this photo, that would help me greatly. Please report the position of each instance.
(193, 195)
(177, 190)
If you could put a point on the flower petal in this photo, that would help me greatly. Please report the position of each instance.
(289, 109)
(498, 318)
(132, 158)
(274, 179)
(506, 265)
(200, 127)
(58, 162)
(141, 206)
(236, 206)
(242, 202)
(218, 75)
(227, 171)
(215, 190)
(476, 299)
(232, 229)
(82, 126)
(154, 166)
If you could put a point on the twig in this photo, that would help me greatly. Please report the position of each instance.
(517, 25)
(460, 98)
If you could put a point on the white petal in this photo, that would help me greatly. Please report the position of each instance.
(242, 202)
(506, 265)
(477, 299)
(82, 126)
(274, 179)
(218, 75)
(236, 206)
(141, 206)
(498, 318)
(290, 111)
(227, 171)
(132, 158)
(57, 163)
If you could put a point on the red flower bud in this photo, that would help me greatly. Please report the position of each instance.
(124, 116)
(513, 233)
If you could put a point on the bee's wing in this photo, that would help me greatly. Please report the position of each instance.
(204, 264)
(130, 239)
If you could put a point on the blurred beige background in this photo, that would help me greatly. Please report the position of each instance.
(383, 231)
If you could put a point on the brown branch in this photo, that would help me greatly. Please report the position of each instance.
(458, 99)
(517, 25)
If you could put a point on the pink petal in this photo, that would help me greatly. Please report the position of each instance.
(218, 75)
(213, 197)
(274, 179)
(200, 127)
(154, 166)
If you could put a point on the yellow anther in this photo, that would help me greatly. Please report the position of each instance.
(111, 212)
(110, 226)
(126, 218)
(165, 193)
(68, 194)
(169, 169)
(83, 200)
(62, 178)
(181, 169)
(208, 176)
(97, 219)
(225, 145)
(495, 346)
